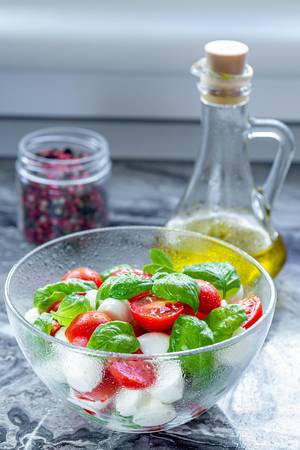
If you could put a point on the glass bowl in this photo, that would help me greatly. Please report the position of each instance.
(71, 373)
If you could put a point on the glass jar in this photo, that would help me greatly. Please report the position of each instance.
(62, 176)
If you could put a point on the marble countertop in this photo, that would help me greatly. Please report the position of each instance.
(261, 412)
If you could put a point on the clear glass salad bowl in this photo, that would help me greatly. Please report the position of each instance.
(216, 368)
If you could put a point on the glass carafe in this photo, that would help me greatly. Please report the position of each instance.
(221, 198)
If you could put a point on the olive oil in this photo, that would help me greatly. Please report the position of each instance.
(240, 229)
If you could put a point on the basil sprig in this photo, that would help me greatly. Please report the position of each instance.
(160, 262)
(224, 321)
(124, 287)
(44, 323)
(221, 274)
(177, 287)
(115, 336)
(71, 306)
(45, 296)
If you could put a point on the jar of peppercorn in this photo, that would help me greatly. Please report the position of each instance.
(62, 176)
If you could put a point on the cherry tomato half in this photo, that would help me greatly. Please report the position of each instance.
(209, 298)
(84, 273)
(155, 314)
(133, 374)
(103, 391)
(124, 270)
(254, 310)
(82, 327)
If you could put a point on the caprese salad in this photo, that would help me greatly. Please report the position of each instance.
(128, 310)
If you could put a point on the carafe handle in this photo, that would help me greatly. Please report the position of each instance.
(274, 129)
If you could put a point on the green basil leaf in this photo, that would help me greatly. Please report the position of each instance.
(107, 273)
(157, 268)
(45, 296)
(159, 257)
(115, 336)
(189, 333)
(221, 274)
(71, 306)
(159, 275)
(177, 287)
(224, 321)
(44, 323)
(123, 287)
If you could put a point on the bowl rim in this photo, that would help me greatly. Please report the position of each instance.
(91, 352)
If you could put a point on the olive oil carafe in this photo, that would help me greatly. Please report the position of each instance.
(221, 199)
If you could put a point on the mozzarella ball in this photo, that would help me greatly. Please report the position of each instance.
(154, 413)
(31, 315)
(128, 401)
(83, 373)
(154, 343)
(169, 385)
(116, 309)
(91, 296)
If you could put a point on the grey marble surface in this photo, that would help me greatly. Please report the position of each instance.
(261, 412)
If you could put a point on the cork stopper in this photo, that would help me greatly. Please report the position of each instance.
(226, 57)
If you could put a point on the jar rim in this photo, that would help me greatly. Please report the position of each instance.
(63, 132)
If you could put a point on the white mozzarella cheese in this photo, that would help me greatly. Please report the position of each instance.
(154, 413)
(31, 315)
(82, 372)
(116, 309)
(237, 296)
(169, 385)
(91, 296)
(128, 401)
(154, 343)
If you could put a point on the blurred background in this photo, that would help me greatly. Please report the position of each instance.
(122, 68)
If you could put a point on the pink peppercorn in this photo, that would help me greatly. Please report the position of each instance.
(62, 187)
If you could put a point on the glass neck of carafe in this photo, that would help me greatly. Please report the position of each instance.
(222, 177)
(223, 165)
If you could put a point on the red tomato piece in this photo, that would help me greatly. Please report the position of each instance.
(83, 326)
(84, 273)
(209, 298)
(133, 374)
(254, 310)
(155, 314)
(201, 315)
(138, 330)
(55, 328)
(188, 310)
(54, 307)
(124, 270)
(103, 391)
(138, 297)
(81, 341)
